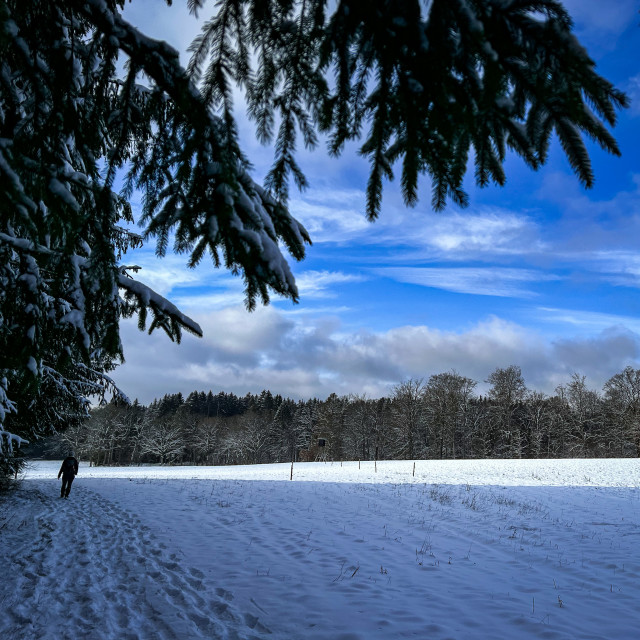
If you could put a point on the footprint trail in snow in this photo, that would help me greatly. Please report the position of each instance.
(98, 568)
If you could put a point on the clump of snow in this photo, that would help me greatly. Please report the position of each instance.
(446, 549)
(149, 297)
(6, 405)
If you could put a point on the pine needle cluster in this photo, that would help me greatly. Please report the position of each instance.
(427, 87)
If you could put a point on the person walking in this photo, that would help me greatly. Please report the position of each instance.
(68, 471)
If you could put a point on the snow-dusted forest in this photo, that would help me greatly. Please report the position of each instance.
(439, 418)
(467, 549)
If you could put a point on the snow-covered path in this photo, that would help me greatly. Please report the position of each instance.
(86, 568)
(495, 549)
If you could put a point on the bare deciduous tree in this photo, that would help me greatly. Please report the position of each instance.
(447, 397)
(622, 393)
(409, 416)
(162, 437)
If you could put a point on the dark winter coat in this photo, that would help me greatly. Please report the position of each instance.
(69, 468)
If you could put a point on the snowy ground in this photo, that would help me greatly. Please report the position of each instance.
(463, 549)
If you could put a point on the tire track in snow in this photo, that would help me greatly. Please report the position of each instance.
(98, 567)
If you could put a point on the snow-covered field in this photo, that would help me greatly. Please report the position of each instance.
(462, 549)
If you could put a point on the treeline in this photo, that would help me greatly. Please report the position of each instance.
(438, 418)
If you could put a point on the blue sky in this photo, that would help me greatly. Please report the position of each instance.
(540, 273)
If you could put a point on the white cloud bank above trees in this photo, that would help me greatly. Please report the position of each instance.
(275, 350)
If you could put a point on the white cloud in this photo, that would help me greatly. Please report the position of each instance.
(329, 310)
(589, 320)
(483, 281)
(633, 91)
(334, 215)
(167, 275)
(620, 267)
(171, 271)
(233, 332)
(463, 236)
(312, 285)
(174, 25)
(322, 284)
(600, 24)
(198, 303)
(310, 357)
(590, 226)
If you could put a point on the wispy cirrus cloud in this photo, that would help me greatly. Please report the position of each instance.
(601, 26)
(323, 284)
(205, 294)
(482, 234)
(166, 274)
(633, 91)
(592, 321)
(334, 215)
(485, 281)
(337, 218)
(491, 231)
(621, 268)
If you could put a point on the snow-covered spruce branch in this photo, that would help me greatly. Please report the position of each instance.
(7, 439)
(6, 405)
(105, 382)
(88, 382)
(205, 190)
(164, 310)
(22, 245)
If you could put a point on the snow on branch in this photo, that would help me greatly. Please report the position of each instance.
(7, 439)
(196, 179)
(6, 405)
(24, 245)
(148, 298)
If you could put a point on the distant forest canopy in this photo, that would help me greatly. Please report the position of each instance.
(438, 418)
